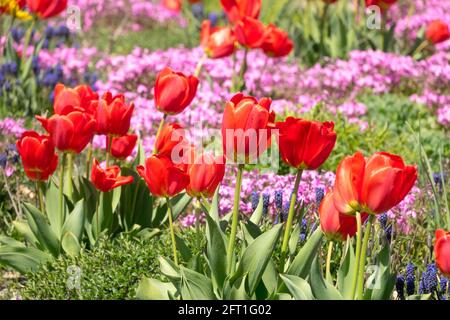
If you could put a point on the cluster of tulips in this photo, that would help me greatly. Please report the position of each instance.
(364, 187)
(44, 9)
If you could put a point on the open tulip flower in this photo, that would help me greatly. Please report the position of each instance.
(163, 177)
(218, 42)
(38, 155)
(109, 178)
(170, 136)
(79, 98)
(276, 42)
(373, 185)
(305, 144)
(238, 9)
(437, 32)
(442, 251)
(335, 225)
(123, 146)
(205, 174)
(174, 91)
(250, 32)
(46, 9)
(71, 132)
(249, 123)
(113, 115)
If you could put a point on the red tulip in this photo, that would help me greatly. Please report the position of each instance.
(218, 42)
(248, 123)
(174, 91)
(170, 136)
(123, 146)
(442, 251)
(374, 185)
(335, 225)
(382, 4)
(305, 144)
(108, 179)
(113, 115)
(163, 178)
(437, 32)
(45, 9)
(173, 5)
(238, 9)
(76, 99)
(205, 174)
(38, 155)
(71, 132)
(276, 42)
(250, 32)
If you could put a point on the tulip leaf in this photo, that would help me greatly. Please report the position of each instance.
(214, 209)
(41, 229)
(24, 229)
(301, 265)
(103, 217)
(298, 287)
(380, 285)
(322, 289)
(346, 272)
(256, 257)
(70, 244)
(294, 238)
(23, 259)
(153, 289)
(169, 269)
(195, 286)
(186, 254)
(257, 214)
(215, 252)
(52, 206)
(75, 221)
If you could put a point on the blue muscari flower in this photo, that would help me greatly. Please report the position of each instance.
(279, 200)
(410, 279)
(49, 32)
(383, 220)
(400, 286)
(255, 200)
(62, 31)
(443, 284)
(17, 34)
(320, 193)
(197, 10)
(431, 280)
(302, 238)
(46, 44)
(214, 18)
(304, 226)
(277, 219)
(51, 96)
(266, 201)
(422, 284)
(7, 85)
(3, 160)
(35, 64)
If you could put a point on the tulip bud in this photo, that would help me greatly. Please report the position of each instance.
(123, 146)
(108, 179)
(218, 42)
(442, 251)
(437, 32)
(205, 174)
(250, 32)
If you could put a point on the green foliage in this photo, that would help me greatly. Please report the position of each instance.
(111, 270)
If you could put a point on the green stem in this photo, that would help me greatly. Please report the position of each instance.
(358, 254)
(322, 28)
(328, 267)
(290, 220)
(161, 125)
(69, 174)
(197, 224)
(199, 66)
(235, 218)
(421, 47)
(89, 160)
(37, 185)
(97, 214)
(362, 262)
(61, 188)
(108, 149)
(241, 84)
(27, 43)
(172, 232)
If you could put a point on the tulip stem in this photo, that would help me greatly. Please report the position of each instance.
(161, 125)
(89, 160)
(235, 218)
(362, 263)
(197, 224)
(322, 28)
(199, 66)
(26, 44)
(241, 84)
(69, 174)
(61, 189)
(358, 254)
(172, 232)
(108, 149)
(38, 186)
(290, 220)
(328, 267)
